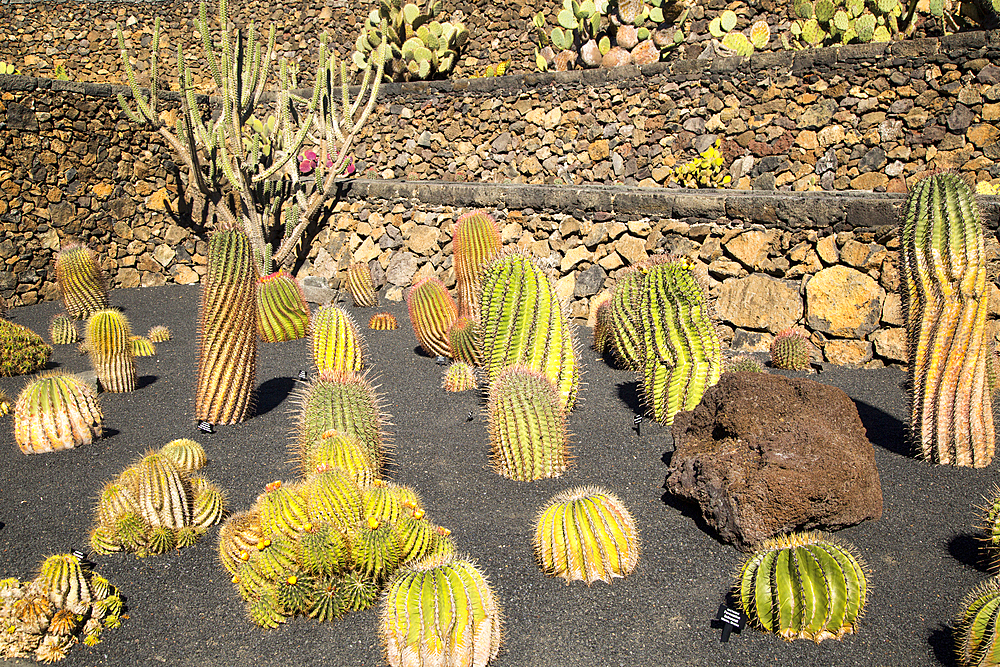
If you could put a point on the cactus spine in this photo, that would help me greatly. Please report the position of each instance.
(476, 242)
(383, 322)
(81, 280)
(623, 318)
(62, 330)
(361, 286)
(523, 323)
(109, 341)
(282, 313)
(335, 341)
(586, 534)
(227, 346)
(945, 306)
(790, 351)
(432, 311)
(158, 334)
(803, 586)
(55, 412)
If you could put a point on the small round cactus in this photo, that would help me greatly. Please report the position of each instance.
(743, 363)
(790, 351)
(186, 454)
(459, 377)
(976, 631)
(62, 330)
(432, 310)
(21, 350)
(159, 334)
(57, 411)
(142, 347)
(383, 322)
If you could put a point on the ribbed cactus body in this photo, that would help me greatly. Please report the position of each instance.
(586, 534)
(459, 376)
(338, 450)
(82, 282)
(790, 351)
(476, 242)
(109, 343)
(335, 341)
(21, 350)
(523, 323)
(440, 611)
(604, 340)
(432, 311)
(334, 497)
(527, 426)
(943, 267)
(65, 581)
(803, 586)
(282, 313)
(463, 341)
(227, 332)
(55, 412)
(376, 549)
(977, 635)
(62, 330)
(361, 286)
(623, 318)
(383, 322)
(282, 510)
(163, 497)
(142, 347)
(186, 454)
(159, 334)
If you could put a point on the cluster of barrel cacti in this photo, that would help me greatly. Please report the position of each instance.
(65, 604)
(158, 503)
(976, 628)
(803, 586)
(21, 350)
(790, 350)
(109, 344)
(82, 282)
(361, 286)
(54, 412)
(282, 313)
(62, 330)
(335, 342)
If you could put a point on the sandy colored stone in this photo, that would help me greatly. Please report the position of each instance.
(843, 302)
(164, 254)
(847, 352)
(759, 301)
(128, 278)
(573, 257)
(565, 287)
(423, 240)
(826, 248)
(184, 275)
(890, 343)
(599, 150)
(892, 310)
(159, 200)
(870, 181)
(367, 251)
(632, 249)
(751, 248)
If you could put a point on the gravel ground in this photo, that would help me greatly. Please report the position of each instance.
(922, 555)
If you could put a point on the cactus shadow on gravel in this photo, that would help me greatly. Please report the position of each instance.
(628, 392)
(966, 549)
(942, 642)
(272, 393)
(884, 430)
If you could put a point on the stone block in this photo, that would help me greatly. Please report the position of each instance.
(759, 301)
(843, 302)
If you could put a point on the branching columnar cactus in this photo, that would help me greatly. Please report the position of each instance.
(64, 605)
(335, 341)
(790, 350)
(361, 286)
(523, 323)
(976, 631)
(383, 322)
(21, 350)
(157, 504)
(82, 282)
(463, 341)
(527, 426)
(142, 347)
(109, 343)
(227, 331)
(459, 377)
(440, 611)
(476, 242)
(62, 330)
(57, 411)
(159, 334)
(432, 311)
(282, 313)
(943, 264)
(803, 586)
(586, 534)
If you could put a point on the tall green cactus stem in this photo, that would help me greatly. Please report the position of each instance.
(335, 341)
(282, 313)
(227, 331)
(459, 376)
(527, 426)
(945, 307)
(586, 534)
(977, 636)
(56, 412)
(523, 323)
(432, 311)
(82, 282)
(463, 341)
(361, 287)
(21, 350)
(476, 242)
(682, 354)
(62, 330)
(109, 341)
(790, 350)
(440, 611)
(803, 586)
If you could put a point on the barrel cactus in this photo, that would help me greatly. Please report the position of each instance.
(57, 411)
(282, 313)
(383, 322)
(82, 282)
(159, 334)
(62, 330)
(977, 637)
(361, 286)
(142, 347)
(335, 341)
(790, 350)
(459, 376)
(743, 363)
(21, 350)
(476, 242)
(109, 343)
(463, 341)
(432, 311)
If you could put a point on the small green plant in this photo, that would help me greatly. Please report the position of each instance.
(984, 188)
(743, 363)
(705, 171)
(491, 70)
(61, 73)
(790, 350)
(830, 22)
(361, 286)
(335, 341)
(21, 350)
(7, 68)
(109, 343)
(432, 311)
(55, 412)
(723, 27)
(463, 341)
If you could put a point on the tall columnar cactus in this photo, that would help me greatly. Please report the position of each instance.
(527, 426)
(803, 586)
(586, 534)
(109, 342)
(943, 264)
(463, 341)
(682, 354)
(282, 313)
(21, 350)
(227, 331)
(432, 311)
(790, 350)
(62, 330)
(361, 286)
(977, 635)
(335, 341)
(440, 611)
(476, 242)
(55, 412)
(82, 282)
(523, 323)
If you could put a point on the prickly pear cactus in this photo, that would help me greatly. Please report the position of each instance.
(976, 632)
(82, 282)
(790, 351)
(476, 242)
(55, 412)
(361, 287)
(335, 341)
(586, 534)
(463, 340)
(432, 311)
(21, 350)
(282, 313)
(440, 611)
(383, 322)
(803, 586)
(62, 330)
(109, 343)
(458, 377)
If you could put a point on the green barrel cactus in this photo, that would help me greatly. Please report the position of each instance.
(440, 611)
(282, 313)
(361, 286)
(383, 322)
(82, 282)
(432, 311)
(186, 454)
(623, 316)
(604, 341)
(21, 350)
(527, 426)
(109, 343)
(463, 341)
(335, 341)
(586, 534)
(55, 412)
(790, 350)
(142, 347)
(977, 637)
(227, 331)
(743, 363)
(523, 323)
(339, 450)
(476, 241)
(459, 376)
(159, 334)
(62, 330)
(803, 586)
(945, 304)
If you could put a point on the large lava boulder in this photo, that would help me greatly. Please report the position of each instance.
(765, 454)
